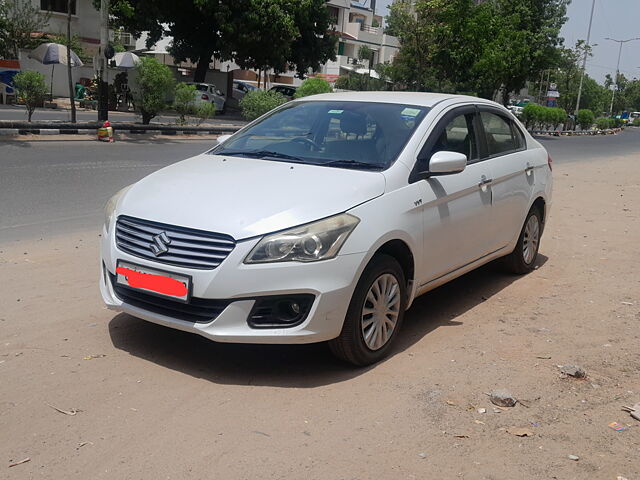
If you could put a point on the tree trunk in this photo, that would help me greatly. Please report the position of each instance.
(71, 91)
(146, 117)
(203, 65)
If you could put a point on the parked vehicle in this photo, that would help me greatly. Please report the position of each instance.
(287, 90)
(324, 219)
(208, 92)
(240, 89)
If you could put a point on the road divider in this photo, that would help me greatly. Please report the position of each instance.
(10, 127)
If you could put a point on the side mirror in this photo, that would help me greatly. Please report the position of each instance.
(447, 163)
(223, 138)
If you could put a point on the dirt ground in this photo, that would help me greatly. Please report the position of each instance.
(154, 403)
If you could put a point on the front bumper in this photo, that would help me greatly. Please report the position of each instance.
(332, 283)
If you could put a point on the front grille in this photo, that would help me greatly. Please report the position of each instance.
(183, 247)
(198, 310)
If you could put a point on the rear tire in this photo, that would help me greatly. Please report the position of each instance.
(375, 313)
(523, 258)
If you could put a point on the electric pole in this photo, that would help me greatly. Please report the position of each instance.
(621, 42)
(103, 87)
(584, 60)
(72, 92)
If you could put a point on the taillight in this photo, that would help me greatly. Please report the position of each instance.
(550, 162)
(205, 96)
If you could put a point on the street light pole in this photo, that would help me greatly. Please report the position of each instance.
(584, 60)
(103, 101)
(621, 42)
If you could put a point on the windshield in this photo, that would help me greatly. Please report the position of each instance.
(361, 135)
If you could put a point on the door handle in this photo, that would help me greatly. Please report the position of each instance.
(485, 181)
(529, 169)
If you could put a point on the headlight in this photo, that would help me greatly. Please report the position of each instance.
(308, 243)
(110, 207)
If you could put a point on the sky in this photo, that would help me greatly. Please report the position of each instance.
(618, 19)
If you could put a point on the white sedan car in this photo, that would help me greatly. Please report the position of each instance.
(209, 93)
(324, 219)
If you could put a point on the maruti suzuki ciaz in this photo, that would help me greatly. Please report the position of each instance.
(325, 218)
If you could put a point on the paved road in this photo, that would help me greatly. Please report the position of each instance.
(597, 147)
(20, 113)
(51, 187)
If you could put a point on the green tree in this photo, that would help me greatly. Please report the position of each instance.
(315, 43)
(204, 111)
(523, 39)
(184, 101)
(31, 90)
(486, 47)
(258, 102)
(200, 28)
(585, 119)
(312, 86)
(155, 83)
(4, 22)
(257, 34)
(18, 20)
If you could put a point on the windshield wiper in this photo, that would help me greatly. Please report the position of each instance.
(262, 154)
(353, 163)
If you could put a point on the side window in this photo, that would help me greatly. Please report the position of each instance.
(498, 133)
(519, 136)
(458, 136)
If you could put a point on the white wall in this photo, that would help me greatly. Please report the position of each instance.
(85, 23)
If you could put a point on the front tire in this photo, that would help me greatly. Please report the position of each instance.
(375, 313)
(523, 258)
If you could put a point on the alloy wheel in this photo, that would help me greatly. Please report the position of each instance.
(380, 311)
(531, 239)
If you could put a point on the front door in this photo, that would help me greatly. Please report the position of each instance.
(457, 207)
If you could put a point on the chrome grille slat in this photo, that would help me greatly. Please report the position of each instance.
(170, 259)
(178, 234)
(189, 248)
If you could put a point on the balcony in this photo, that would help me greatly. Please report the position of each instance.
(364, 32)
(124, 38)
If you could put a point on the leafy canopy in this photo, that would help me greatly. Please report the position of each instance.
(155, 83)
(31, 90)
(260, 34)
(258, 102)
(313, 86)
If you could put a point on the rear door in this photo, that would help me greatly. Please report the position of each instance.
(503, 148)
(456, 207)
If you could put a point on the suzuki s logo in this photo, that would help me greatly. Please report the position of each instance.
(160, 244)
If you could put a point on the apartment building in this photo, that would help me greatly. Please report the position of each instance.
(85, 22)
(357, 25)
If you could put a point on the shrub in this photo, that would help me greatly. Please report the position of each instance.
(204, 111)
(358, 82)
(603, 123)
(560, 117)
(312, 86)
(617, 123)
(531, 114)
(258, 102)
(585, 119)
(155, 83)
(636, 122)
(31, 90)
(184, 101)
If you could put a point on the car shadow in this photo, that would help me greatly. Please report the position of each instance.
(299, 366)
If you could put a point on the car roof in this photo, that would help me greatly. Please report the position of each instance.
(406, 98)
